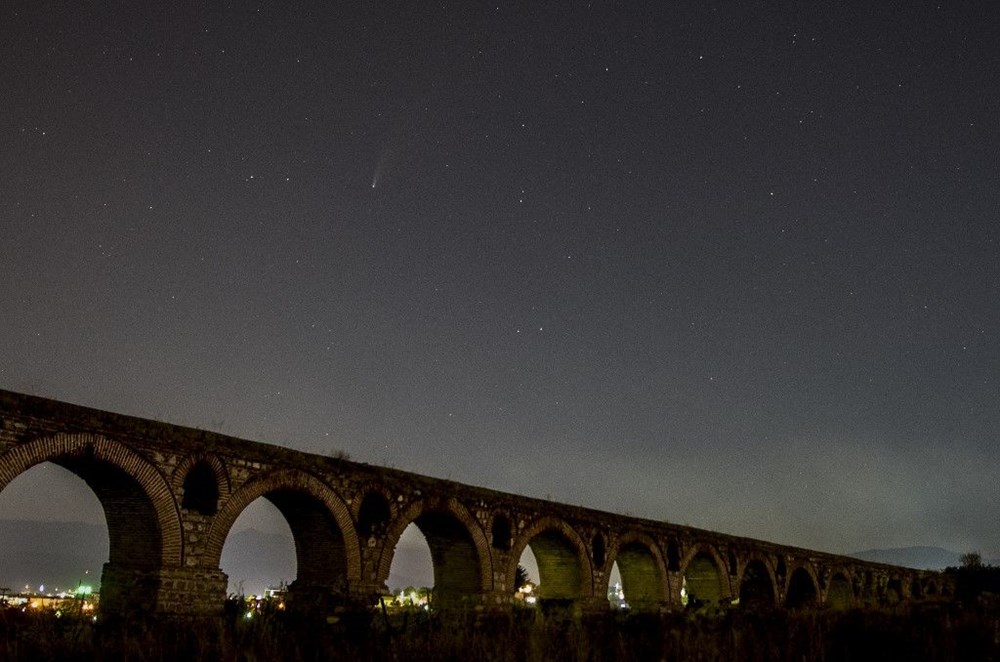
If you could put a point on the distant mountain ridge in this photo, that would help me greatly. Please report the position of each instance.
(64, 554)
(919, 558)
(57, 554)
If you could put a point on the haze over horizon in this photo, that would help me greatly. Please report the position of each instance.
(733, 267)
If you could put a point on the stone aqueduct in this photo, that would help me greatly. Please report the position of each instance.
(170, 495)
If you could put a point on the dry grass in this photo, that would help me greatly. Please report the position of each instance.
(947, 633)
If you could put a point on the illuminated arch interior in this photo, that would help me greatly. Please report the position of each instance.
(642, 580)
(703, 581)
(454, 555)
(839, 595)
(559, 572)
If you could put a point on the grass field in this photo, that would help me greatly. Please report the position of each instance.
(931, 632)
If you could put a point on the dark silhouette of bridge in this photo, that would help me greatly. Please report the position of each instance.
(170, 495)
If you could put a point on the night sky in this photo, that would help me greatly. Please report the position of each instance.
(736, 267)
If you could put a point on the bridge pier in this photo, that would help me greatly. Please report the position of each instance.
(128, 590)
(171, 591)
(495, 601)
(649, 606)
(675, 580)
(315, 599)
(191, 591)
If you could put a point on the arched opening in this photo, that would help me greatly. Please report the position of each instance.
(501, 533)
(598, 550)
(894, 591)
(411, 573)
(931, 590)
(320, 553)
(373, 516)
(134, 537)
(642, 579)
(868, 588)
(703, 582)
(455, 558)
(259, 553)
(327, 555)
(129, 580)
(673, 557)
(53, 533)
(321, 559)
(201, 490)
(756, 587)
(801, 590)
(560, 576)
(839, 595)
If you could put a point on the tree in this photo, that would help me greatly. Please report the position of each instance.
(521, 576)
(974, 579)
(971, 560)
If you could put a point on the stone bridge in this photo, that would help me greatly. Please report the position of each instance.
(170, 495)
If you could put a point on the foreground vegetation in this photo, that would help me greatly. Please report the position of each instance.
(947, 632)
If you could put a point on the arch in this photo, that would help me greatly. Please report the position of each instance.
(598, 550)
(839, 593)
(894, 591)
(757, 584)
(201, 491)
(643, 571)
(563, 564)
(704, 579)
(673, 556)
(374, 513)
(144, 525)
(326, 544)
(459, 549)
(203, 481)
(501, 532)
(802, 588)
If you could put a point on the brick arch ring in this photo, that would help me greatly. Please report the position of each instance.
(154, 485)
(213, 461)
(832, 571)
(708, 549)
(456, 510)
(635, 537)
(810, 570)
(768, 564)
(290, 479)
(721, 567)
(523, 538)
